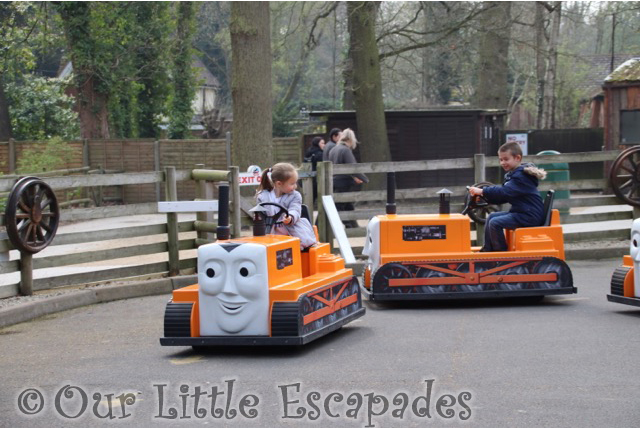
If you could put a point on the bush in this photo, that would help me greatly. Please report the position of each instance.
(39, 109)
(49, 156)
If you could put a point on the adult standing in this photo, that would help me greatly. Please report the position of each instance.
(343, 153)
(334, 136)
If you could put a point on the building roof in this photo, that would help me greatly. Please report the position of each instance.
(595, 68)
(628, 71)
(439, 111)
(204, 76)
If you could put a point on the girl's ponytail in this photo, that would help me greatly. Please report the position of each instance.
(265, 181)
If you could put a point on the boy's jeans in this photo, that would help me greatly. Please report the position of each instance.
(494, 239)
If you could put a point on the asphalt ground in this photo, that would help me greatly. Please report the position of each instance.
(569, 361)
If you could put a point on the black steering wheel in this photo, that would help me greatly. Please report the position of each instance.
(478, 207)
(271, 221)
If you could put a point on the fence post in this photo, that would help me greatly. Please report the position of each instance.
(328, 190)
(201, 194)
(86, 161)
(234, 188)
(12, 156)
(156, 165)
(322, 218)
(307, 188)
(171, 192)
(26, 273)
(228, 148)
(479, 167)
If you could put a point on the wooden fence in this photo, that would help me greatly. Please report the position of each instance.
(141, 155)
(370, 202)
(166, 239)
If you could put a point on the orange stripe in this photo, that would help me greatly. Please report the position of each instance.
(472, 279)
(320, 313)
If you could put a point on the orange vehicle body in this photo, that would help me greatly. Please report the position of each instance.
(430, 257)
(314, 283)
(623, 288)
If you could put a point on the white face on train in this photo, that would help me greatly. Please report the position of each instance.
(372, 244)
(233, 293)
(634, 251)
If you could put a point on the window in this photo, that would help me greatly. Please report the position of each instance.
(630, 127)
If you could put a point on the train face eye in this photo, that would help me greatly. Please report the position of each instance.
(246, 268)
(211, 273)
(248, 279)
(635, 243)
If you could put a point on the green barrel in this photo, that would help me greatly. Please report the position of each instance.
(558, 171)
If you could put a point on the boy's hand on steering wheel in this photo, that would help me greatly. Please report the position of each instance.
(475, 191)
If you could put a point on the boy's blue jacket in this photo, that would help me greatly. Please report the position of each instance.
(520, 189)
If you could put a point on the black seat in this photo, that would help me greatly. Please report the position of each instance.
(548, 206)
(304, 212)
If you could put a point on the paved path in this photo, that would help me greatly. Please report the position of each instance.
(570, 361)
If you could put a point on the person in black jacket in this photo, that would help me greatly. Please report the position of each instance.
(314, 155)
(334, 137)
(520, 189)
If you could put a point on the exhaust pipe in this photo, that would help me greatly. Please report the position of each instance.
(445, 201)
(391, 193)
(223, 232)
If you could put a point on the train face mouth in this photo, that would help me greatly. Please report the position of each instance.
(232, 308)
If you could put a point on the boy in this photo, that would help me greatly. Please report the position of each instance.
(520, 189)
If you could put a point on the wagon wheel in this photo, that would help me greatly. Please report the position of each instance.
(625, 176)
(32, 215)
(477, 207)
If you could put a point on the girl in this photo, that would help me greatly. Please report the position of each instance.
(278, 184)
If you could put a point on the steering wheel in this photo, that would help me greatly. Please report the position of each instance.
(478, 207)
(273, 220)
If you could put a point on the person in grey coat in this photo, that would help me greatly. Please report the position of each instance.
(343, 153)
(278, 184)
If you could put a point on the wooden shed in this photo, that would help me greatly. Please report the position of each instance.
(430, 134)
(622, 106)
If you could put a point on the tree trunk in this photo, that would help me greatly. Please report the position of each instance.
(347, 77)
(91, 106)
(367, 81)
(493, 76)
(5, 120)
(251, 84)
(91, 103)
(183, 77)
(550, 86)
(540, 63)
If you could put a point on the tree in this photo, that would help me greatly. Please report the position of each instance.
(183, 76)
(549, 110)
(492, 90)
(18, 27)
(367, 82)
(40, 110)
(91, 92)
(251, 84)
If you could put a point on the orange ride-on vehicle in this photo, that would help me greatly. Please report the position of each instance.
(625, 281)
(261, 290)
(429, 256)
